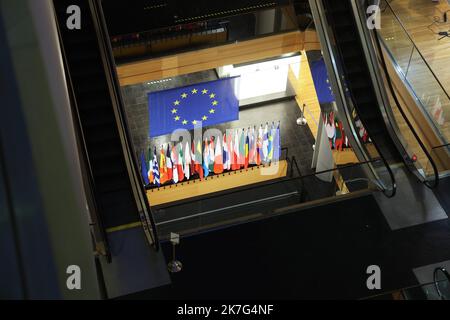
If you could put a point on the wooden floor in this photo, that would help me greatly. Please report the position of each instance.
(418, 16)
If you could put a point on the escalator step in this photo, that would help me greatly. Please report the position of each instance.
(108, 168)
(362, 95)
(84, 87)
(359, 82)
(342, 20)
(84, 56)
(350, 53)
(95, 111)
(353, 67)
(102, 120)
(120, 207)
(112, 184)
(88, 73)
(107, 155)
(96, 102)
(94, 137)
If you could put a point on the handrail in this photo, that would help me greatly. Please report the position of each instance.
(441, 146)
(81, 139)
(418, 51)
(412, 91)
(128, 148)
(281, 180)
(436, 281)
(408, 122)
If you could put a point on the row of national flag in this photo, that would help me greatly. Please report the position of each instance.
(236, 149)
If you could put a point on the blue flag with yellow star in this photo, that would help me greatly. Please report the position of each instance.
(321, 81)
(204, 104)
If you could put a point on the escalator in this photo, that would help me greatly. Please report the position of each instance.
(360, 69)
(358, 78)
(122, 217)
(96, 115)
(104, 143)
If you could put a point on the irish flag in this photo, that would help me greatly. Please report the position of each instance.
(180, 162)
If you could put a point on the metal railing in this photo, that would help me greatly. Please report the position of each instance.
(421, 175)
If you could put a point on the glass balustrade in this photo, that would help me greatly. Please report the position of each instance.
(432, 98)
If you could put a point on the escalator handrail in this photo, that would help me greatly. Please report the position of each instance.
(417, 49)
(436, 281)
(123, 125)
(446, 145)
(408, 122)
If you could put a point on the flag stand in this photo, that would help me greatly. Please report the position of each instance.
(223, 182)
(174, 266)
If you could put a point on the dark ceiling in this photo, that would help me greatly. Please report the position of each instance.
(124, 17)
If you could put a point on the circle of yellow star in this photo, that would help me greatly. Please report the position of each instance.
(184, 122)
(205, 118)
(177, 118)
(177, 103)
(212, 111)
(204, 91)
(215, 103)
(174, 111)
(194, 91)
(184, 96)
(212, 95)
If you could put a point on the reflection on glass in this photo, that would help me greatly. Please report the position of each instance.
(196, 35)
(293, 192)
(416, 73)
(442, 282)
(441, 157)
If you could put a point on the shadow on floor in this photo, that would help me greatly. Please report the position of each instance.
(319, 253)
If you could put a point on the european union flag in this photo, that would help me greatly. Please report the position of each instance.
(321, 81)
(207, 103)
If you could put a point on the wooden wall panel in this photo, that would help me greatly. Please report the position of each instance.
(306, 94)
